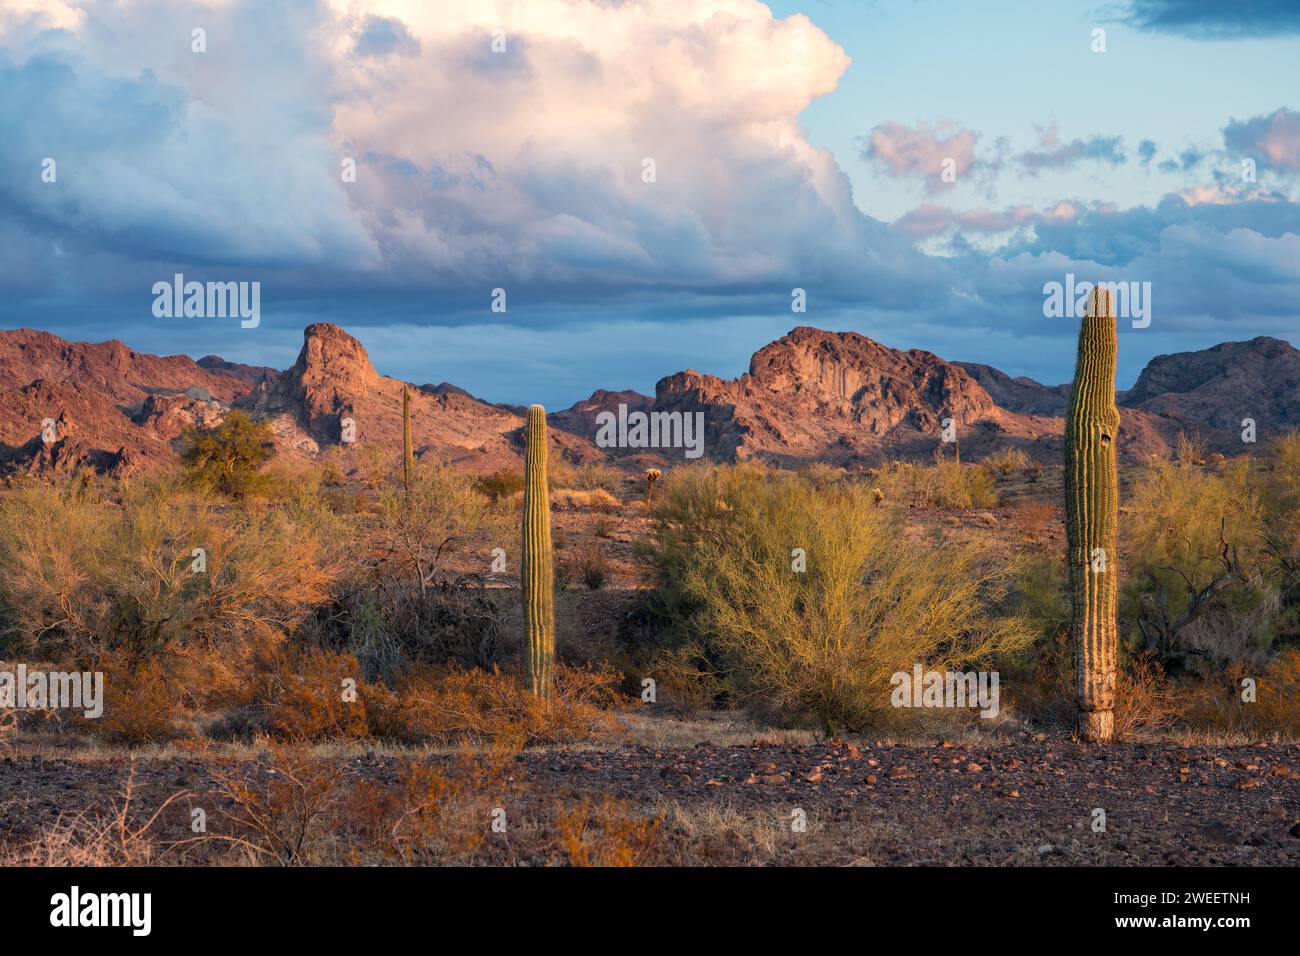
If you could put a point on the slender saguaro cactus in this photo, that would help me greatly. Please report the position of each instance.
(538, 572)
(407, 452)
(1092, 518)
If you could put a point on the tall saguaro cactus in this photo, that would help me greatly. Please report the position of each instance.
(538, 572)
(1092, 518)
(407, 451)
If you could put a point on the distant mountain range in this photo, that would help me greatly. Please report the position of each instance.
(811, 395)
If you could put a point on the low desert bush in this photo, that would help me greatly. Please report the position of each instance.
(280, 809)
(591, 476)
(587, 564)
(450, 706)
(1007, 461)
(80, 576)
(500, 484)
(595, 499)
(1037, 516)
(945, 484)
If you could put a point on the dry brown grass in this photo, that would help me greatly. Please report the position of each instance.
(593, 499)
(1036, 516)
(451, 706)
(87, 839)
(608, 833)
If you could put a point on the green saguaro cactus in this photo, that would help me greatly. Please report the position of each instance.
(408, 455)
(537, 571)
(1092, 518)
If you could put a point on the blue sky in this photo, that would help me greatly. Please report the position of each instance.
(504, 145)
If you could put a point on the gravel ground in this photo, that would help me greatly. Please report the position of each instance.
(884, 804)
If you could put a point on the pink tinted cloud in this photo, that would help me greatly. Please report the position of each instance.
(1275, 137)
(921, 152)
(931, 220)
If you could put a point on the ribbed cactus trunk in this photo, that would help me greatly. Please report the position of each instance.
(1092, 518)
(537, 572)
(408, 454)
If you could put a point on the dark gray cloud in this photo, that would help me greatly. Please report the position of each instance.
(1216, 19)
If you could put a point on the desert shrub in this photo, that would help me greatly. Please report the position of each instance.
(945, 484)
(302, 693)
(500, 484)
(450, 706)
(279, 810)
(404, 605)
(823, 475)
(586, 563)
(441, 811)
(80, 576)
(1007, 461)
(591, 476)
(141, 703)
(331, 466)
(1281, 536)
(417, 529)
(375, 466)
(821, 643)
(227, 458)
(389, 626)
(1278, 695)
(1195, 590)
(1190, 449)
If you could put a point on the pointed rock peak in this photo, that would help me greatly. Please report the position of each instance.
(330, 355)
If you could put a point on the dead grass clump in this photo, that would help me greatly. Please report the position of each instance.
(444, 706)
(944, 484)
(1037, 516)
(608, 833)
(1007, 461)
(577, 499)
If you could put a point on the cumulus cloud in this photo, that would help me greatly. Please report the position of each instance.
(924, 151)
(555, 145)
(631, 164)
(1274, 138)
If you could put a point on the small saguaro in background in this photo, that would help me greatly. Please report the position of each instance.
(537, 573)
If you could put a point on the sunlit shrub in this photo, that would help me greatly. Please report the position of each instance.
(821, 640)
